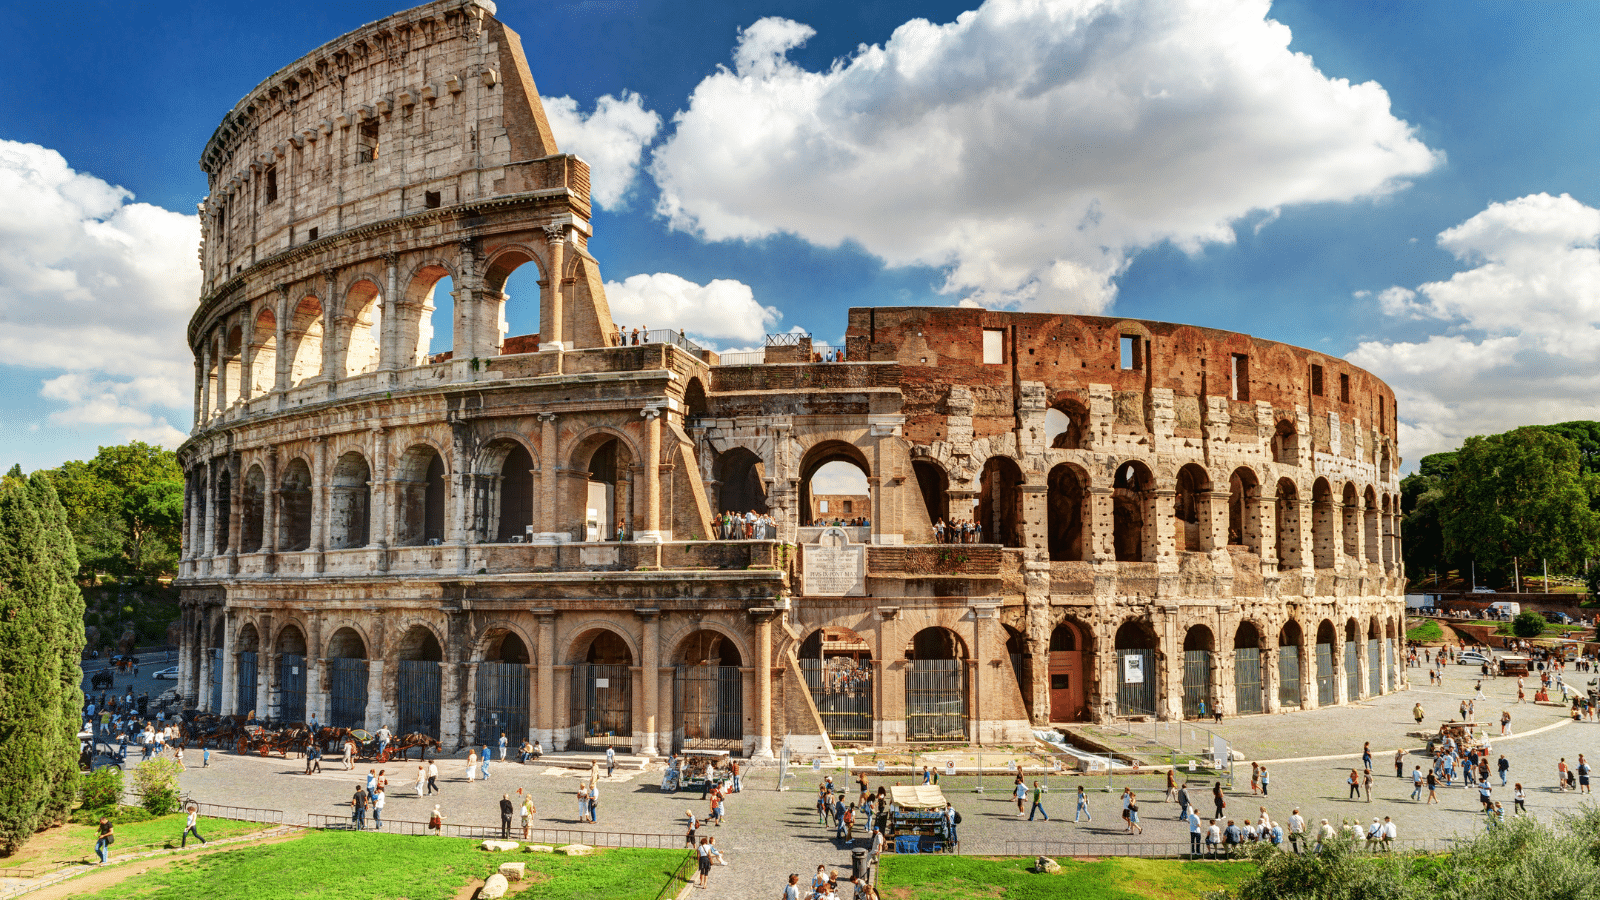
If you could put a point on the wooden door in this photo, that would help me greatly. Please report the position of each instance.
(1066, 686)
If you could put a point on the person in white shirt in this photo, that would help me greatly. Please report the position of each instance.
(1297, 829)
(194, 816)
(1213, 836)
(1388, 832)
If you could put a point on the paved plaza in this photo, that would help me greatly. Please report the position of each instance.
(770, 833)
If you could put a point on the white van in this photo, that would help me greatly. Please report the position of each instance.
(1507, 608)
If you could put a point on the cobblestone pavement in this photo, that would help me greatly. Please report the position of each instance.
(771, 833)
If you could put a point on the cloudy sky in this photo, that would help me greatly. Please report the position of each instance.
(1409, 185)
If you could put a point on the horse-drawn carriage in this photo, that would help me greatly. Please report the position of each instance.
(102, 680)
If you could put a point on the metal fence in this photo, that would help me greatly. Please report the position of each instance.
(936, 701)
(709, 701)
(237, 813)
(291, 689)
(417, 696)
(215, 688)
(248, 669)
(843, 698)
(502, 700)
(347, 701)
(1288, 676)
(1352, 671)
(1136, 698)
(1327, 693)
(1247, 679)
(1196, 683)
(643, 841)
(1181, 850)
(661, 336)
(1374, 667)
(602, 705)
(747, 358)
(680, 876)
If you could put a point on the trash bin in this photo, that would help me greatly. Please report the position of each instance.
(858, 863)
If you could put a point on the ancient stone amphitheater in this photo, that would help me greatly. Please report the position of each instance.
(520, 535)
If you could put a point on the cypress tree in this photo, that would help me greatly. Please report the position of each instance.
(30, 679)
(67, 602)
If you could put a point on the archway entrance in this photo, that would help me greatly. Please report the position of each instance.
(347, 679)
(607, 492)
(741, 478)
(934, 486)
(350, 512)
(214, 653)
(1068, 675)
(420, 493)
(503, 690)
(1198, 697)
(1374, 659)
(1289, 665)
(1131, 512)
(602, 693)
(291, 675)
(417, 682)
(1136, 670)
(1327, 687)
(1248, 694)
(1064, 518)
(245, 671)
(936, 696)
(833, 485)
(1352, 661)
(1000, 503)
(708, 693)
(294, 507)
(252, 511)
(837, 665)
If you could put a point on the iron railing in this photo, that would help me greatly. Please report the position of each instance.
(1136, 698)
(245, 699)
(291, 689)
(680, 876)
(659, 336)
(1247, 680)
(1288, 675)
(1181, 850)
(502, 702)
(789, 339)
(644, 841)
(417, 693)
(1196, 684)
(936, 700)
(743, 358)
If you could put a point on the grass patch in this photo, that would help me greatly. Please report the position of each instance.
(1427, 631)
(938, 877)
(369, 866)
(70, 844)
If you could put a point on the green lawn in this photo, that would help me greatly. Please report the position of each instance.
(75, 843)
(369, 866)
(1427, 631)
(938, 877)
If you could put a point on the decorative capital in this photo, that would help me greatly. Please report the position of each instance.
(555, 234)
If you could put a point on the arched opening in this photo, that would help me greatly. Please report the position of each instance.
(1069, 674)
(231, 370)
(1244, 510)
(1065, 500)
(1136, 669)
(304, 337)
(346, 673)
(837, 665)
(1192, 484)
(1063, 425)
(1327, 685)
(1352, 661)
(503, 689)
(291, 693)
(197, 499)
(1000, 503)
(1385, 462)
(1324, 552)
(1249, 690)
(936, 696)
(1285, 444)
(417, 670)
(741, 482)
(363, 313)
(1198, 697)
(213, 671)
(1017, 652)
(934, 486)
(264, 353)
(420, 494)
(431, 333)
(1374, 658)
(1131, 513)
(1390, 511)
(709, 693)
(834, 487)
(695, 405)
(602, 692)
(294, 507)
(252, 510)
(350, 506)
(223, 504)
(246, 669)
(505, 488)
(1286, 526)
(512, 297)
(608, 491)
(1352, 523)
(1370, 505)
(1289, 641)
(1391, 668)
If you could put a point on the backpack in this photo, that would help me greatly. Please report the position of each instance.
(958, 817)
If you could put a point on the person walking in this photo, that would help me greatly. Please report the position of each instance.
(1504, 766)
(1416, 711)
(422, 779)
(1082, 808)
(1519, 800)
(378, 800)
(484, 764)
(349, 754)
(951, 820)
(528, 812)
(1218, 800)
(611, 760)
(472, 764)
(504, 743)
(1297, 829)
(358, 808)
(1172, 784)
(694, 828)
(1019, 790)
(583, 803)
(1255, 778)
(1416, 782)
(1366, 783)
(1400, 763)
(507, 808)
(104, 839)
(703, 851)
(194, 816)
(1038, 804)
(433, 777)
(1505, 723)
(1354, 783)
(1266, 781)
(1183, 802)
(1366, 755)
(1433, 785)
(1583, 775)
(1195, 834)
(436, 821)
(1133, 815)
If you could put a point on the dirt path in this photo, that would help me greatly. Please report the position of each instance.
(102, 877)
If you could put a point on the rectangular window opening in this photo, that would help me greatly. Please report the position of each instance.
(311, 235)
(368, 148)
(1383, 420)
(994, 347)
(272, 184)
(430, 199)
(1132, 356)
(1316, 380)
(847, 507)
(1344, 388)
(1241, 376)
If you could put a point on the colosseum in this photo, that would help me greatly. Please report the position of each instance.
(1058, 518)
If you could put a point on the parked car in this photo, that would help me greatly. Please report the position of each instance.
(170, 673)
(1484, 590)
(1561, 617)
(1472, 658)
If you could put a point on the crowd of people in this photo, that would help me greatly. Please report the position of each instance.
(747, 526)
(957, 531)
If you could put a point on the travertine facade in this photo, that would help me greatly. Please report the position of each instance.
(517, 535)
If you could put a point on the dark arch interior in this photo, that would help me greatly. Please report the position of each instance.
(1130, 490)
(292, 640)
(248, 640)
(933, 484)
(507, 647)
(516, 494)
(1133, 636)
(1198, 638)
(1192, 481)
(294, 507)
(1247, 636)
(1326, 633)
(1242, 490)
(420, 644)
(1064, 515)
(741, 476)
(1290, 636)
(608, 648)
(935, 643)
(694, 400)
(1000, 502)
(252, 512)
(1064, 637)
(346, 644)
(710, 648)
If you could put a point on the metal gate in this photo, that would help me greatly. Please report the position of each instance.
(1288, 676)
(502, 702)
(1374, 667)
(216, 680)
(1196, 683)
(1327, 695)
(347, 701)
(602, 705)
(842, 690)
(417, 693)
(1247, 680)
(1391, 673)
(1352, 671)
(291, 688)
(936, 702)
(709, 702)
(246, 676)
(1136, 683)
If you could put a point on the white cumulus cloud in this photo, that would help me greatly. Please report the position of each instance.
(723, 310)
(611, 139)
(1029, 148)
(1521, 327)
(98, 287)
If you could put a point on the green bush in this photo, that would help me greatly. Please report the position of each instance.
(121, 815)
(1528, 624)
(156, 780)
(102, 788)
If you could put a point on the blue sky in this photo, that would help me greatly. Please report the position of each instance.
(1404, 184)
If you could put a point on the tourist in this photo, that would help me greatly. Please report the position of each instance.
(194, 816)
(1132, 813)
(358, 808)
(1183, 801)
(1019, 790)
(433, 777)
(1416, 711)
(791, 890)
(436, 821)
(1213, 837)
(377, 808)
(1416, 782)
(611, 760)
(507, 808)
(524, 753)
(703, 850)
(1266, 781)
(422, 779)
(484, 762)
(1218, 800)
(1519, 800)
(472, 764)
(1172, 784)
(1583, 775)
(1366, 755)
(1400, 763)
(1433, 784)
(1297, 829)
(1354, 783)
(528, 812)
(720, 812)
(1195, 834)
(694, 828)
(1366, 783)
(1038, 804)
(503, 744)
(951, 820)
(1324, 835)
(104, 839)
(594, 801)
(349, 754)
(583, 803)
(383, 742)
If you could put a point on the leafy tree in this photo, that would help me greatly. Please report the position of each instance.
(66, 651)
(125, 507)
(1587, 436)
(1528, 624)
(102, 788)
(1522, 495)
(156, 780)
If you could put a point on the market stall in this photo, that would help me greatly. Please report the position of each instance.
(916, 820)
